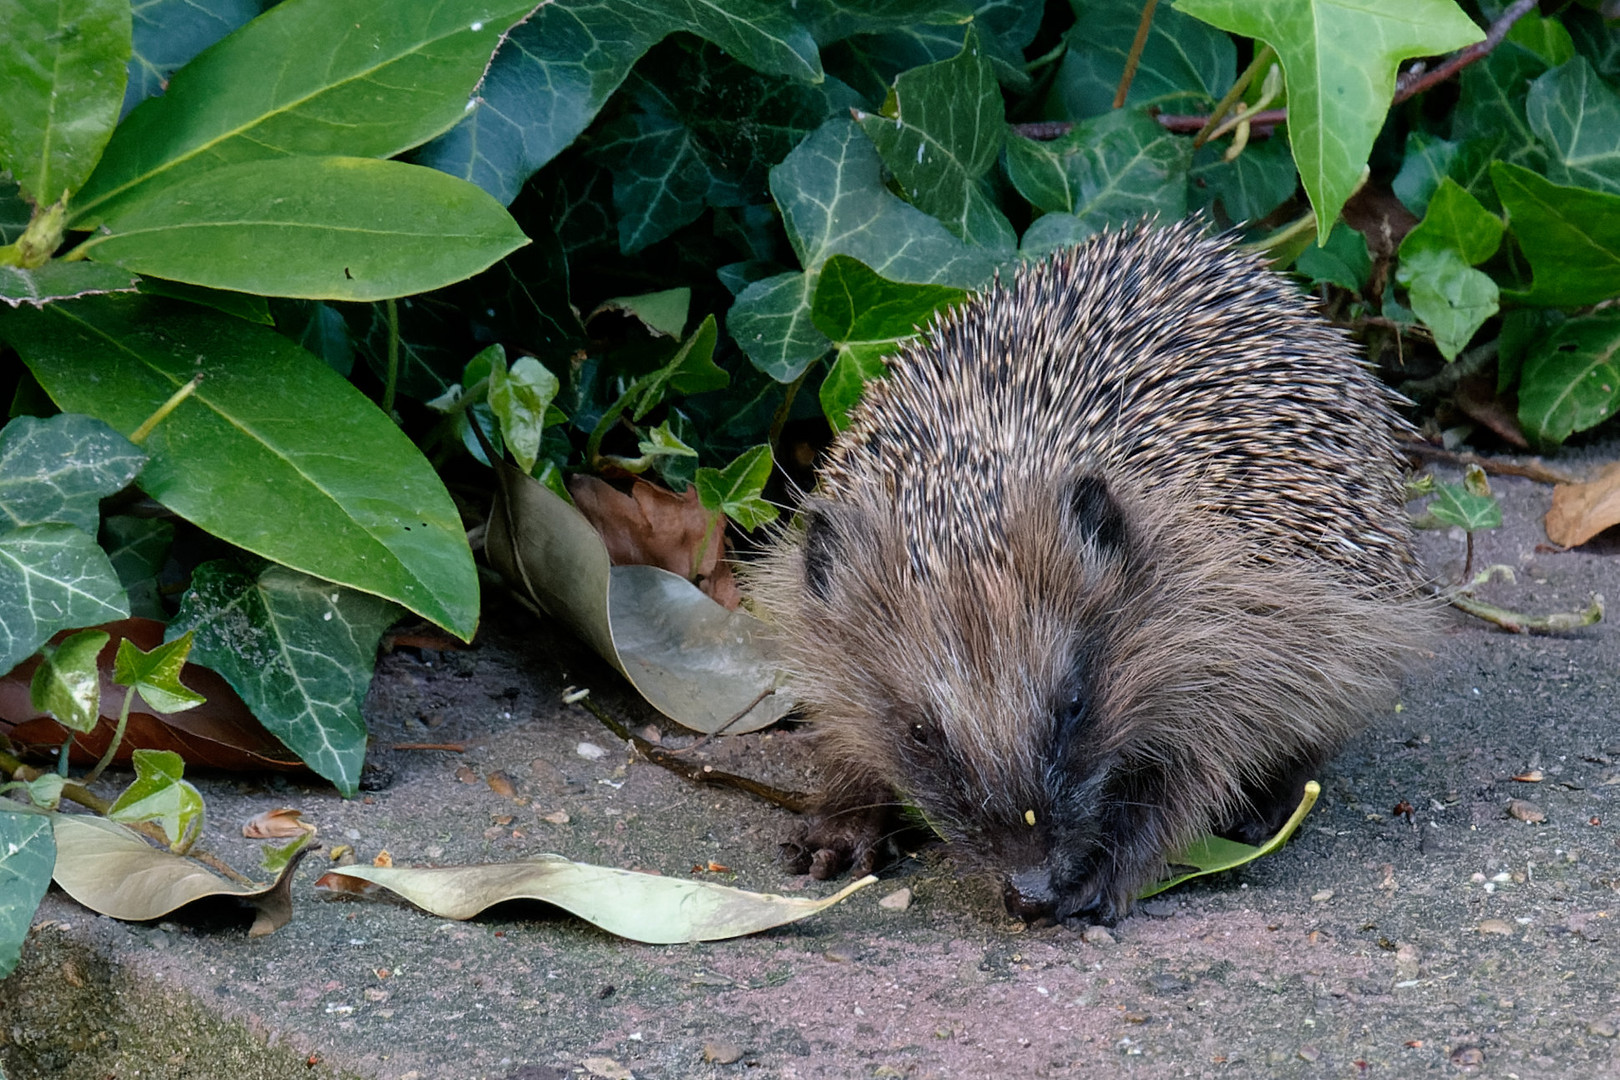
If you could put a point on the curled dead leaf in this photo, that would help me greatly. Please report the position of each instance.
(1581, 511)
(653, 526)
(279, 824)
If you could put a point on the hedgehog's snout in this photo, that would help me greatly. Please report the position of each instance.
(1029, 894)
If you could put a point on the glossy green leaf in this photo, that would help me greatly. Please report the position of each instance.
(58, 469)
(1454, 504)
(663, 312)
(338, 228)
(67, 683)
(833, 201)
(1107, 172)
(691, 370)
(248, 306)
(1570, 235)
(1213, 854)
(853, 304)
(1248, 188)
(521, 400)
(274, 452)
(1451, 298)
(1184, 67)
(155, 675)
(62, 79)
(160, 793)
(834, 20)
(940, 133)
(1490, 106)
(52, 577)
(364, 78)
(736, 490)
(579, 51)
(1340, 57)
(649, 908)
(169, 33)
(1544, 36)
(1571, 378)
(1455, 221)
(299, 651)
(853, 367)
(27, 853)
(1577, 116)
(869, 63)
(58, 280)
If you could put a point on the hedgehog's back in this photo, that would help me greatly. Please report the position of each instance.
(1162, 360)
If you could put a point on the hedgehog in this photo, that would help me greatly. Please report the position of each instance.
(1114, 556)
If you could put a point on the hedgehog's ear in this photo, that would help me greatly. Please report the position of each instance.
(1094, 513)
(821, 549)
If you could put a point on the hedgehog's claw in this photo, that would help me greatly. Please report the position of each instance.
(826, 845)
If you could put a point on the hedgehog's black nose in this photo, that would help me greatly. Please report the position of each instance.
(1029, 894)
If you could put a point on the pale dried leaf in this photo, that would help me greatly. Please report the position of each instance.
(1581, 511)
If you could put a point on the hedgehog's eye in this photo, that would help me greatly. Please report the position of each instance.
(919, 734)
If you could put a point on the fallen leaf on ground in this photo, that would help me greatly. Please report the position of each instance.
(277, 825)
(1212, 854)
(1581, 511)
(113, 871)
(642, 907)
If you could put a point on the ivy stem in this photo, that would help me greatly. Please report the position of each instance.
(779, 420)
(118, 737)
(1265, 56)
(163, 410)
(1143, 28)
(389, 386)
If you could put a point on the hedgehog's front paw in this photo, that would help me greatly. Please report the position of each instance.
(829, 843)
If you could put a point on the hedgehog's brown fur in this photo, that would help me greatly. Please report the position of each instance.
(1118, 548)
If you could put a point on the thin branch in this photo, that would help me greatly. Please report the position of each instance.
(1533, 469)
(1135, 56)
(1265, 56)
(1412, 84)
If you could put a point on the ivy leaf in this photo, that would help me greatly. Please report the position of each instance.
(833, 201)
(736, 490)
(866, 317)
(1430, 160)
(1343, 260)
(940, 132)
(1340, 58)
(1249, 187)
(67, 683)
(1577, 115)
(27, 853)
(1490, 106)
(62, 78)
(1454, 504)
(57, 470)
(155, 675)
(137, 547)
(521, 400)
(1571, 378)
(1570, 235)
(1450, 297)
(1455, 221)
(52, 577)
(1185, 64)
(691, 370)
(161, 794)
(299, 651)
(579, 51)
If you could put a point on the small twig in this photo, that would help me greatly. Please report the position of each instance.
(1265, 118)
(139, 435)
(1409, 87)
(1559, 622)
(1468, 557)
(1044, 130)
(1534, 469)
(1449, 377)
(709, 736)
(1134, 57)
(698, 773)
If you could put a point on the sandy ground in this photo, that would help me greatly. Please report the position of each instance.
(1459, 940)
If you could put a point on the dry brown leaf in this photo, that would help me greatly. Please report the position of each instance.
(384, 859)
(1581, 511)
(277, 825)
(221, 733)
(334, 882)
(1525, 810)
(500, 784)
(652, 526)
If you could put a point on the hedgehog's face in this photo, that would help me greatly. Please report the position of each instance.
(969, 682)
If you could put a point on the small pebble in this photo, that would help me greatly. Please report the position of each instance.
(1602, 1028)
(590, 751)
(1495, 926)
(1525, 810)
(557, 817)
(899, 900)
(1098, 936)
(721, 1053)
(1309, 1052)
(1468, 1057)
(1322, 897)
